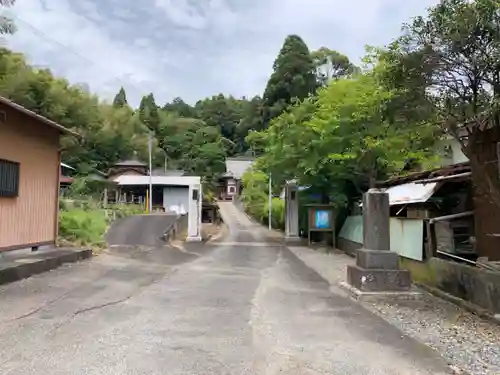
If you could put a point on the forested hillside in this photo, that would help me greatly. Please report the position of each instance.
(196, 138)
(320, 119)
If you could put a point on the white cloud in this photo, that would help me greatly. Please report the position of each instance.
(174, 48)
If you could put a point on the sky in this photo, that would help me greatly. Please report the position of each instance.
(192, 48)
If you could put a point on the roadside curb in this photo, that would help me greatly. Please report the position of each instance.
(29, 266)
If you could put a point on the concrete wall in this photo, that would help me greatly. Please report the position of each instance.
(472, 284)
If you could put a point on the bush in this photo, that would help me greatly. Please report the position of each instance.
(124, 210)
(83, 227)
(83, 223)
(277, 213)
(256, 199)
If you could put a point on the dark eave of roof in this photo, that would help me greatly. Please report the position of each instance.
(130, 163)
(36, 116)
(431, 173)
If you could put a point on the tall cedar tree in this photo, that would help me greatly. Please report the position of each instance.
(148, 113)
(293, 77)
(120, 99)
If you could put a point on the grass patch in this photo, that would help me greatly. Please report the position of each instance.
(83, 227)
(422, 272)
(84, 223)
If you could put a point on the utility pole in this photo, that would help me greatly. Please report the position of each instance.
(150, 149)
(270, 201)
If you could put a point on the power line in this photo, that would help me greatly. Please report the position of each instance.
(41, 34)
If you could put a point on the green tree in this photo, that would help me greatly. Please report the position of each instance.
(251, 121)
(148, 113)
(108, 133)
(193, 146)
(222, 112)
(451, 58)
(120, 99)
(181, 108)
(343, 140)
(293, 78)
(331, 65)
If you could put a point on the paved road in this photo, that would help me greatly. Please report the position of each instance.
(140, 230)
(238, 307)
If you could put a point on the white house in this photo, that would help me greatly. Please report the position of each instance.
(179, 194)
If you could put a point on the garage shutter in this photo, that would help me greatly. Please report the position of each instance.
(176, 199)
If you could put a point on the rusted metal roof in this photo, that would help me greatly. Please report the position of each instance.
(36, 116)
(431, 173)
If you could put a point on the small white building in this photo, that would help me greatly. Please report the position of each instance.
(178, 194)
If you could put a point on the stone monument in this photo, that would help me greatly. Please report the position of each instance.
(377, 268)
(291, 212)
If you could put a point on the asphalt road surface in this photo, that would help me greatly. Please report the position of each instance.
(241, 306)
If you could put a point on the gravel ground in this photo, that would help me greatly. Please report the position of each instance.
(468, 342)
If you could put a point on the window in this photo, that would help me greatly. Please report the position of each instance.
(9, 178)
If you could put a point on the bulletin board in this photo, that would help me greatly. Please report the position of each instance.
(321, 219)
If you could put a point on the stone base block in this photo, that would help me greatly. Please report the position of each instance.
(374, 297)
(378, 280)
(293, 239)
(194, 239)
(377, 259)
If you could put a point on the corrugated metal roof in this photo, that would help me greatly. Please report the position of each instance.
(411, 193)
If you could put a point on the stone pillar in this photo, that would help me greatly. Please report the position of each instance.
(194, 213)
(377, 268)
(376, 220)
(291, 213)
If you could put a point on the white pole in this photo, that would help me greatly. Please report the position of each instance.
(150, 147)
(270, 202)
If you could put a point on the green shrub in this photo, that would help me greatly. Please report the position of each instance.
(84, 223)
(124, 210)
(256, 199)
(277, 213)
(83, 227)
